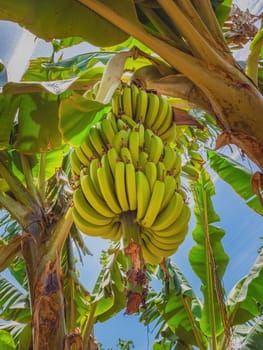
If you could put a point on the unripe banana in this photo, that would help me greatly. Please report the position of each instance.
(170, 213)
(143, 193)
(108, 131)
(93, 198)
(169, 135)
(87, 211)
(88, 149)
(170, 187)
(112, 118)
(105, 184)
(148, 256)
(128, 120)
(143, 159)
(127, 101)
(134, 96)
(156, 148)
(113, 232)
(154, 204)
(162, 112)
(156, 249)
(167, 121)
(147, 139)
(120, 186)
(93, 169)
(161, 171)
(106, 164)
(115, 103)
(141, 107)
(96, 140)
(152, 110)
(113, 158)
(125, 155)
(134, 145)
(167, 243)
(190, 172)
(75, 163)
(86, 227)
(178, 225)
(150, 170)
(82, 157)
(121, 139)
(174, 240)
(121, 124)
(169, 157)
(130, 178)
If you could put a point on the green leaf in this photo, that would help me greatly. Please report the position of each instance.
(37, 129)
(64, 43)
(8, 108)
(67, 18)
(222, 10)
(6, 341)
(237, 176)
(246, 296)
(77, 115)
(208, 258)
(254, 337)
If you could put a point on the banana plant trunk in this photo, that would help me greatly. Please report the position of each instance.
(46, 290)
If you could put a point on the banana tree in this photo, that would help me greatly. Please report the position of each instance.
(203, 72)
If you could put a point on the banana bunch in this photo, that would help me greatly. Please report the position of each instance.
(149, 109)
(124, 166)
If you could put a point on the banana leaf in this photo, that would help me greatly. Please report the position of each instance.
(253, 337)
(245, 298)
(208, 258)
(237, 176)
(6, 341)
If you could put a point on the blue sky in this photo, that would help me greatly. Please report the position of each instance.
(243, 226)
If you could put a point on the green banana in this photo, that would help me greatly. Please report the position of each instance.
(143, 193)
(86, 227)
(170, 187)
(161, 171)
(170, 213)
(128, 120)
(93, 168)
(125, 155)
(141, 106)
(154, 204)
(174, 240)
(148, 256)
(169, 157)
(96, 201)
(162, 112)
(178, 225)
(150, 170)
(143, 159)
(152, 110)
(190, 171)
(112, 118)
(88, 149)
(105, 184)
(96, 140)
(121, 139)
(82, 157)
(87, 211)
(169, 135)
(113, 158)
(127, 107)
(107, 131)
(121, 124)
(134, 145)
(170, 243)
(75, 163)
(156, 148)
(130, 178)
(156, 248)
(134, 97)
(115, 103)
(120, 186)
(148, 133)
(167, 121)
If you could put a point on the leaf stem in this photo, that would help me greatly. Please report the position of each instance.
(195, 330)
(41, 176)
(15, 208)
(253, 57)
(89, 326)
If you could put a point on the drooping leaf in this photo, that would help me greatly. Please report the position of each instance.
(222, 10)
(68, 18)
(246, 297)
(6, 341)
(208, 258)
(237, 176)
(252, 338)
(8, 108)
(108, 291)
(77, 115)
(37, 126)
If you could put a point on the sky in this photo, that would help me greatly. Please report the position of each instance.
(243, 227)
